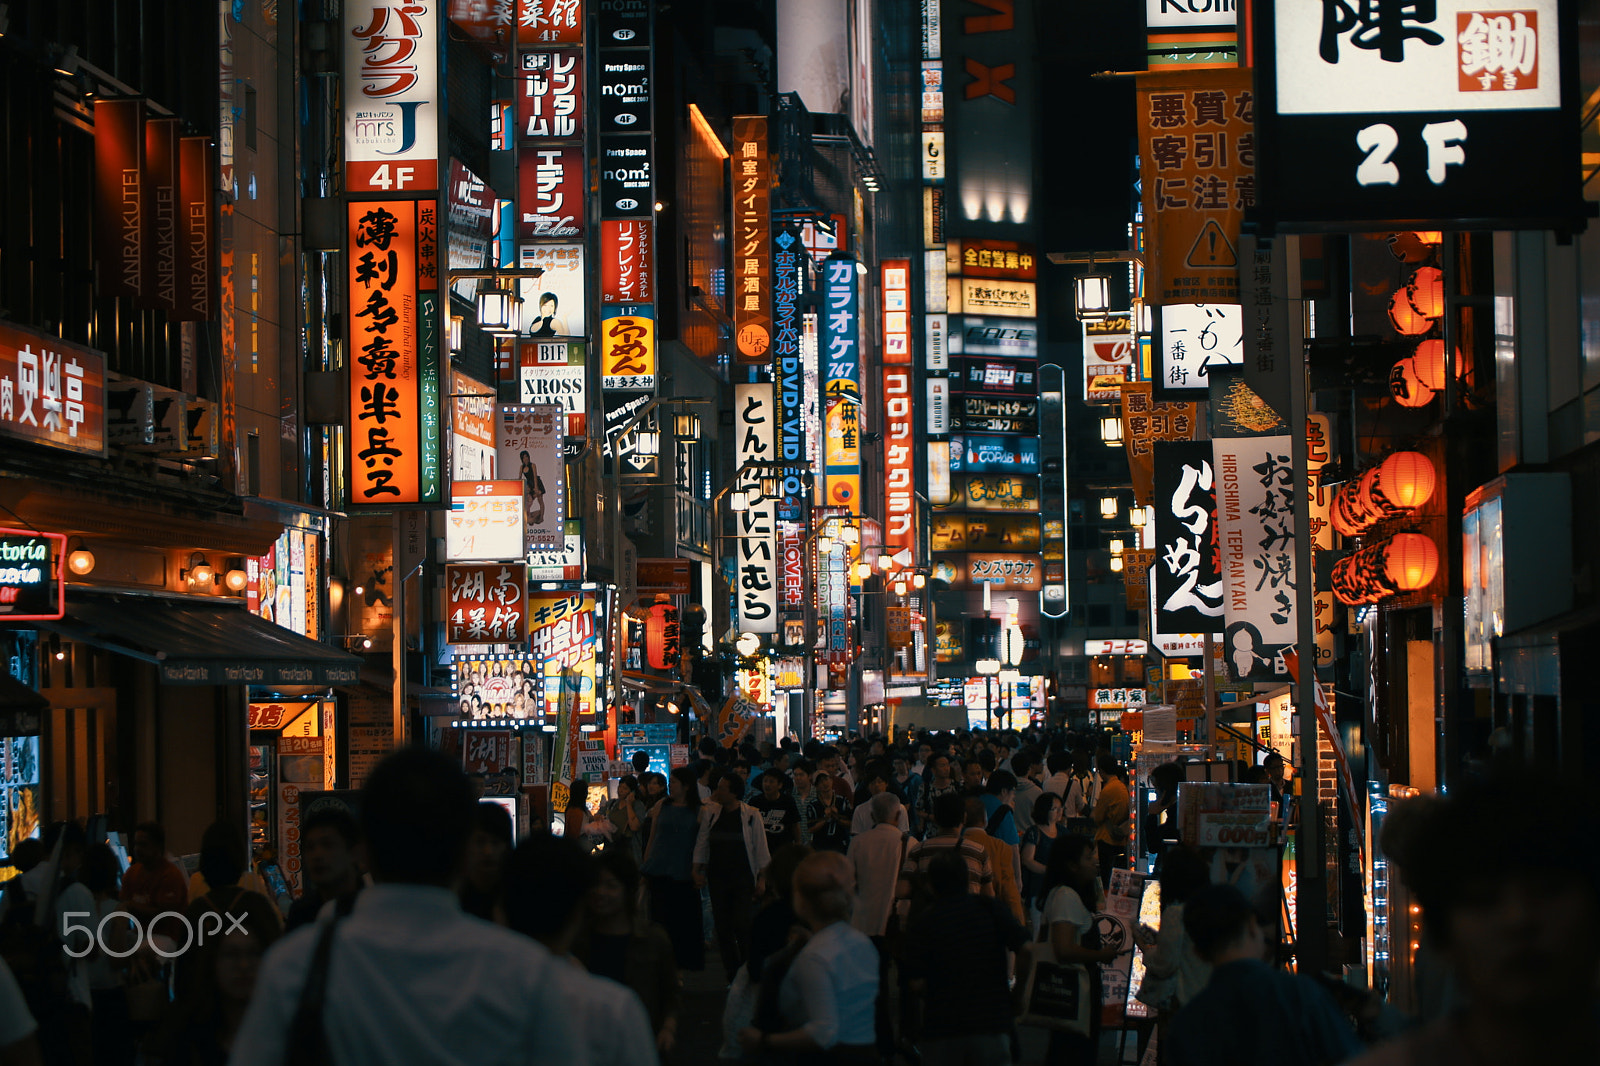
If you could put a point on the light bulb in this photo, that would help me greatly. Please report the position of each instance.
(236, 580)
(81, 561)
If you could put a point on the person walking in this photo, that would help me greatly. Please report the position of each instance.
(1174, 971)
(803, 792)
(204, 1024)
(669, 869)
(452, 991)
(779, 815)
(1072, 896)
(1036, 845)
(950, 820)
(547, 881)
(875, 859)
(1248, 1012)
(153, 883)
(488, 850)
(1113, 819)
(222, 863)
(1003, 860)
(828, 814)
(955, 956)
(328, 840)
(626, 815)
(940, 782)
(729, 854)
(614, 943)
(876, 783)
(1025, 766)
(827, 997)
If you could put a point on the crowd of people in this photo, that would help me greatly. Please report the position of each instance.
(867, 901)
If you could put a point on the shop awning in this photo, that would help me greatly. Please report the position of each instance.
(196, 642)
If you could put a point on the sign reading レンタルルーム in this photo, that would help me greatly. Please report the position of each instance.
(1425, 112)
(1197, 151)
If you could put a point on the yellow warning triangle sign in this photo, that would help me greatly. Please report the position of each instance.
(1212, 249)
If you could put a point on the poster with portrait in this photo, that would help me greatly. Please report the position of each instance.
(553, 303)
(494, 687)
(528, 446)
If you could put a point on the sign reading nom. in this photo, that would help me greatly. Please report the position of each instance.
(391, 96)
(32, 578)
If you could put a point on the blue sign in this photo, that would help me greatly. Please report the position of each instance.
(788, 372)
(986, 454)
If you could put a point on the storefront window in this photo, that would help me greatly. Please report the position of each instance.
(283, 584)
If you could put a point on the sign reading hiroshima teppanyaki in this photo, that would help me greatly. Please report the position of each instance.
(1437, 114)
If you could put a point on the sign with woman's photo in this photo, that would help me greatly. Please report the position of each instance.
(528, 446)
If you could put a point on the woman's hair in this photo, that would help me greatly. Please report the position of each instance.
(1183, 873)
(494, 820)
(222, 860)
(629, 780)
(1042, 805)
(1062, 870)
(1167, 777)
(691, 785)
(619, 864)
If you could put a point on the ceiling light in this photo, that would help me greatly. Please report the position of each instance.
(1108, 507)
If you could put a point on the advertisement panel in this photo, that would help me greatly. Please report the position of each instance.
(553, 303)
(841, 375)
(550, 96)
(1001, 572)
(895, 276)
(752, 235)
(564, 563)
(999, 375)
(550, 192)
(1255, 493)
(1109, 357)
(628, 348)
(471, 429)
(32, 577)
(528, 445)
(1193, 338)
(935, 334)
(790, 370)
(1197, 132)
(996, 492)
(938, 406)
(984, 533)
(52, 392)
(627, 261)
(988, 454)
(549, 21)
(485, 603)
(391, 96)
(161, 143)
(484, 521)
(554, 371)
(498, 686)
(122, 215)
(976, 257)
(627, 185)
(564, 641)
(197, 261)
(755, 415)
(1145, 421)
(1423, 112)
(1188, 578)
(985, 296)
(899, 461)
(394, 375)
(1011, 338)
(470, 220)
(624, 91)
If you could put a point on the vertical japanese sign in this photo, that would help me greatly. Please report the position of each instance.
(550, 103)
(626, 263)
(752, 236)
(550, 192)
(528, 446)
(549, 21)
(1423, 111)
(833, 594)
(789, 371)
(1197, 156)
(1255, 492)
(841, 373)
(161, 147)
(758, 578)
(122, 213)
(1270, 353)
(1195, 338)
(899, 461)
(394, 375)
(391, 96)
(628, 348)
(486, 603)
(1145, 421)
(1319, 442)
(564, 642)
(1188, 582)
(896, 278)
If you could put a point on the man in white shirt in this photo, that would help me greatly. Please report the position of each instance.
(877, 785)
(875, 856)
(828, 997)
(408, 977)
(546, 882)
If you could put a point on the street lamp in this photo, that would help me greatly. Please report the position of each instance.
(1111, 431)
(1108, 507)
(497, 309)
(1093, 293)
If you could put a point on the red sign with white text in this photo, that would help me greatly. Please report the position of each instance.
(549, 22)
(626, 262)
(486, 603)
(550, 191)
(899, 460)
(896, 277)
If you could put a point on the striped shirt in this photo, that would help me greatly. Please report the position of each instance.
(980, 874)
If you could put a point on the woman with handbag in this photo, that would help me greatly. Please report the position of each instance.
(1072, 895)
(669, 870)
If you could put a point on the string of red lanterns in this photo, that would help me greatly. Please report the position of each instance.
(1401, 483)
(1403, 563)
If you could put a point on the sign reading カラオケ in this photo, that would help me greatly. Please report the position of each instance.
(1427, 111)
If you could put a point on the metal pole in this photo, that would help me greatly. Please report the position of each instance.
(1311, 902)
(1208, 672)
(397, 623)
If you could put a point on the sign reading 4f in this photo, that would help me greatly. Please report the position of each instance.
(1422, 110)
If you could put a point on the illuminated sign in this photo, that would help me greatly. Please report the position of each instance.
(628, 348)
(841, 374)
(758, 564)
(985, 296)
(899, 461)
(391, 96)
(791, 369)
(549, 21)
(486, 604)
(485, 521)
(553, 371)
(977, 258)
(52, 392)
(1009, 572)
(1195, 338)
(550, 192)
(32, 579)
(896, 278)
(528, 445)
(394, 371)
(626, 261)
(752, 251)
(550, 103)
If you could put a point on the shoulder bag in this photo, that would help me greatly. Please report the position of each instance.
(308, 1039)
(1053, 995)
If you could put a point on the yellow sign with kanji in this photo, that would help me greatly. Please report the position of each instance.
(1197, 167)
(1144, 421)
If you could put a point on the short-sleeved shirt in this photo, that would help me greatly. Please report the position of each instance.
(778, 818)
(834, 836)
(1065, 905)
(979, 870)
(1006, 830)
(162, 887)
(958, 945)
(832, 987)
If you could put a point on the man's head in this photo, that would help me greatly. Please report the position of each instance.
(940, 765)
(804, 771)
(948, 875)
(1025, 764)
(1059, 762)
(876, 781)
(824, 887)
(1003, 783)
(416, 815)
(1275, 767)
(772, 785)
(328, 839)
(977, 815)
(831, 764)
(1517, 916)
(1222, 925)
(924, 752)
(641, 761)
(885, 807)
(950, 811)
(972, 775)
(546, 881)
(149, 844)
(488, 846)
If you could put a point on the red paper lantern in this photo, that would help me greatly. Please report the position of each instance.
(1410, 560)
(1429, 362)
(1405, 317)
(1425, 292)
(1405, 384)
(1407, 480)
(662, 646)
